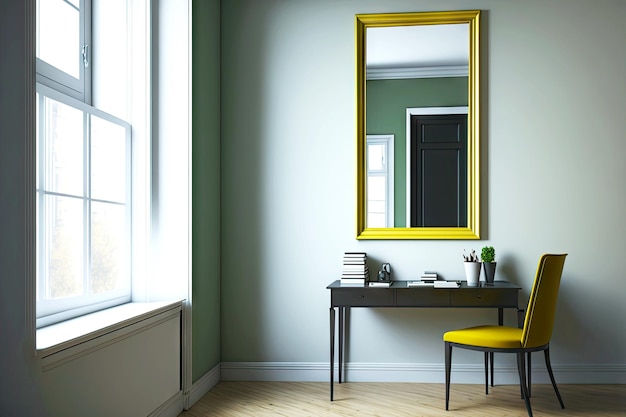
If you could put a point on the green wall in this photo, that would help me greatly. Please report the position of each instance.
(387, 101)
(205, 186)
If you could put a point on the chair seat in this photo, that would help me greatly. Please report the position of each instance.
(497, 337)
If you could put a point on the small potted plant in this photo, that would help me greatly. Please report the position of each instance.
(488, 257)
(472, 268)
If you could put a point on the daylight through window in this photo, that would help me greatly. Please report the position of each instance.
(84, 176)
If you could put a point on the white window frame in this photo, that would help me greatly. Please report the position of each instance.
(387, 172)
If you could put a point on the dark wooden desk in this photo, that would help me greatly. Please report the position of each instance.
(500, 295)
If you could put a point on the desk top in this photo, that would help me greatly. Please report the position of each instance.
(501, 294)
(403, 285)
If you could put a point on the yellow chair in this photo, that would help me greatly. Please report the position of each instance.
(533, 337)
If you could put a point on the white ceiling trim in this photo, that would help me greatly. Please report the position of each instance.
(421, 72)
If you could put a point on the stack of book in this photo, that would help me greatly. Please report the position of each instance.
(355, 270)
(428, 276)
(428, 279)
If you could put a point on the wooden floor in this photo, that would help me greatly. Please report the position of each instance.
(296, 399)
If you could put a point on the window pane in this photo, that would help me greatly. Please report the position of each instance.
(376, 206)
(58, 35)
(108, 160)
(108, 247)
(64, 148)
(64, 246)
(375, 220)
(376, 187)
(376, 201)
(375, 154)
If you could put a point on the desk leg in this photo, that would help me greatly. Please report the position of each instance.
(521, 313)
(342, 320)
(332, 349)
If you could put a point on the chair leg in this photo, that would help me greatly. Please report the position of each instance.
(521, 389)
(486, 373)
(528, 373)
(528, 382)
(522, 380)
(491, 360)
(556, 390)
(448, 355)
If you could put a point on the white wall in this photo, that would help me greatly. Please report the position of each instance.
(554, 97)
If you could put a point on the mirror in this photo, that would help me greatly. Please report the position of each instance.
(418, 125)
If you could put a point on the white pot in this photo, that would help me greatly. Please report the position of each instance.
(472, 273)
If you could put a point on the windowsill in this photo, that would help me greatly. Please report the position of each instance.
(71, 338)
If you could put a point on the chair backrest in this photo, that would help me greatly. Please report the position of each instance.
(541, 308)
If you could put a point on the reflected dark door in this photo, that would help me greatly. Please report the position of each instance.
(438, 170)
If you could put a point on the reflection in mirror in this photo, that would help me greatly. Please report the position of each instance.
(380, 180)
(417, 119)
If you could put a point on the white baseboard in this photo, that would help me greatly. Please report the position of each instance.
(179, 402)
(171, 408)
(202, 386)
(424, 373)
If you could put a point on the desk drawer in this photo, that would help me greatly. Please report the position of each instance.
(362, 297)
(422, 297)
(483, 298)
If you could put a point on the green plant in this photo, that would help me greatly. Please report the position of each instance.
(488, 254)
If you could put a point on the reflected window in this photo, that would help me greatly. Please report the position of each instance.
(380, 202)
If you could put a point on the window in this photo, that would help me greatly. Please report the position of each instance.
(133, 119)
(83, 207)
(84, 176)
(380, 202)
